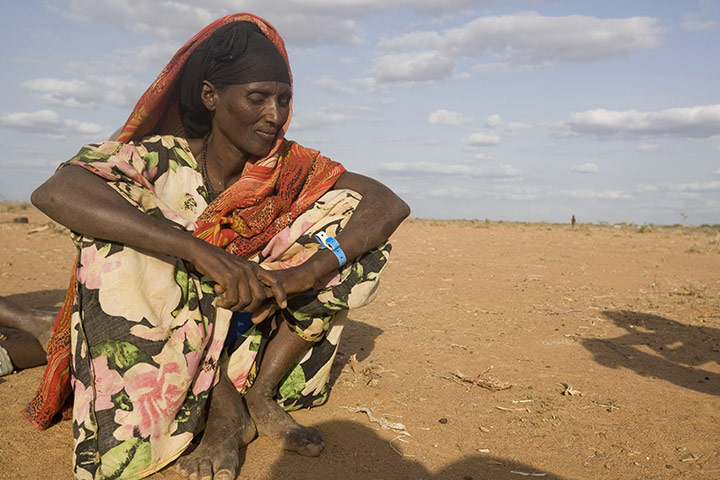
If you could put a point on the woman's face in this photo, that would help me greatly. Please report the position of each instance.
(250, 115)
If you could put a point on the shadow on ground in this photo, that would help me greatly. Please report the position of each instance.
(50, 300)
(357, 339)
(356, 452)
(661, 348)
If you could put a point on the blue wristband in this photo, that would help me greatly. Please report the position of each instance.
(331, 244)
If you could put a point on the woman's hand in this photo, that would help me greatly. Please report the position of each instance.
(242, 284)
(294, 280)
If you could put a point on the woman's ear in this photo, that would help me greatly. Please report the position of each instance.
(208, 95)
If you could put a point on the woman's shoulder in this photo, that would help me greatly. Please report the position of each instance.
(157, 142)
(157, 154)
(175, 150)
(150, 143)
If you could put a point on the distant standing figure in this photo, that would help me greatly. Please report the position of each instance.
(572, 221)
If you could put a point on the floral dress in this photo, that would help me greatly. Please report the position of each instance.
(147, 339)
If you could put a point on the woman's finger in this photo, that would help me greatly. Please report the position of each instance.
(276, 287)
(263, 312)
(244, 294)
(228, 297)
(257, 290)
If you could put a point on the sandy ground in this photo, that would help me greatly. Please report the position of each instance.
(626, 319)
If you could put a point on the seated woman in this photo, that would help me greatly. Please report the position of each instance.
(202, 208)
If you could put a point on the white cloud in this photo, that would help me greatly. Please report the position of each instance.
(300, 27)
(585, 168)
(118, 90)
(685, 196)
(605, 194)
(138, 16)
(301, 22)
(413, 67)
(699, 121)
(454, 192)
(647, 188)
(713, 186)
(382, 101)
(48, 122)
(311, 120)
(447, 117)
(515, 193)
(512, 128)
(22, 120)
(481, 139)
(534, 39)
(716, 172)
(493, 121)
(648, 147)
(334, 86)
(432, 168)
(520, 194)
(157, 53)
(694, 22)
(367, 6)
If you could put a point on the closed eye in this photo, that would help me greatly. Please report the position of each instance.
(257, 97)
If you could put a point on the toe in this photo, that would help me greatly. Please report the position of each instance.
(314, 449)
(315, 436)
(205, 470)
(225, 474)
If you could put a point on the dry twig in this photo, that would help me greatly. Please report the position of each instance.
(383, 422)
(570, 391)
(481, 380)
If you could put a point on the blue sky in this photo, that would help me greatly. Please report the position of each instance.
(507, 110)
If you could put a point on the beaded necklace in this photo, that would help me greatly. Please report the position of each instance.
(212, 193)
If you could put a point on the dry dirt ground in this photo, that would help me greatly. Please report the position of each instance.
(625, 321)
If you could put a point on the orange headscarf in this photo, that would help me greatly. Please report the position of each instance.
(270, 194)
(157, 110)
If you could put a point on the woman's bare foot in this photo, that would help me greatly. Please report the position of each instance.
(229, 428)
(275, 423)
(282, 351)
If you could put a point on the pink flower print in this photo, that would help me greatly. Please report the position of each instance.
(81, 402)
(107, 383)
(93, 266)
(239, 366)
(207, 373)
(284, 239)
(156, 395)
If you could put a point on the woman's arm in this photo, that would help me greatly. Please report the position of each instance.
(375, 218)
(85, 203)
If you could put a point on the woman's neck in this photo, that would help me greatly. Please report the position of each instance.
(224, 162)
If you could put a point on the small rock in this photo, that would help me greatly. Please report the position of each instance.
(669, 467)
(443, 420)
(20, 220)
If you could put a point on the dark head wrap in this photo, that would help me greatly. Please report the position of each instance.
(236, 53)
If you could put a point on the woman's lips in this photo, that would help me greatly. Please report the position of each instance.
(267, 135)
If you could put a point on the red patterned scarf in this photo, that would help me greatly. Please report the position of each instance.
(270, 194)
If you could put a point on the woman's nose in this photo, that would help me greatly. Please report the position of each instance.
(273, 113)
